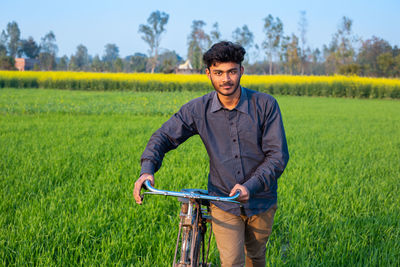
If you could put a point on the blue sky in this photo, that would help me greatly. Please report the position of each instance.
(95, 23)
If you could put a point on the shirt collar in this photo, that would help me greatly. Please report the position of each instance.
(242, 106)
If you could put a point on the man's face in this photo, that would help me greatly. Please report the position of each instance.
(225, 77)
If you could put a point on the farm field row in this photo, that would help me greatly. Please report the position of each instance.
(337, 86)
(69, 159)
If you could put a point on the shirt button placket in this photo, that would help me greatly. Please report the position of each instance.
(235, 148)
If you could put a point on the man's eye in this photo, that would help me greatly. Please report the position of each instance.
(218, 73)
(233, 71)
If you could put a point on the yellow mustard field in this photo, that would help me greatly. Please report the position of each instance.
(337, 86)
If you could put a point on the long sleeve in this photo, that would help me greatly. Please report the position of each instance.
(245, 145)
(172, 133)
(276, 153)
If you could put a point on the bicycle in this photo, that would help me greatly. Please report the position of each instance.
(194, 215)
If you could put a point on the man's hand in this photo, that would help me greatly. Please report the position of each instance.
(244, 193)
(138, 186)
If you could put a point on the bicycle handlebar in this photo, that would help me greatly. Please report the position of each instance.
(154, 191)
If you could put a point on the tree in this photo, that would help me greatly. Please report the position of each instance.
(48, 44)
(258, 67)
(30, 48)
(330, 61)
(349, 69)
(396, 51)
(82, 57)
(273, 29)
(47, 61)
(63, 63)
(199, 42)
(97, 65)
(244, 37)
(152, 32)
(168, 61)
(317, 65)
(111, 53)
(137, 62)
(302, 26)
(386, 64)
(290, 54)
(7, 62)
(215, 34)
(118, 65)
(3, 43)
(80, 61)
(368, 55)
(341, 49)
(72, 64)
(345, 51)
(13, 34)
(48, 48)
(396, 69)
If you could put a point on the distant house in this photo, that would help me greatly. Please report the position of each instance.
(185, 68)
(25, 63)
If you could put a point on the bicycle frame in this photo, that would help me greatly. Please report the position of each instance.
(193, 224)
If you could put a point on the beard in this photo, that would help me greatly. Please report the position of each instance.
(221, 92)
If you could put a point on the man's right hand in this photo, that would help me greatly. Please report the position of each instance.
(138, 186)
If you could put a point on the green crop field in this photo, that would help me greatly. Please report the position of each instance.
(69, 160)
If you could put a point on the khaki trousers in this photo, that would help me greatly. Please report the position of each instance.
(242, 239)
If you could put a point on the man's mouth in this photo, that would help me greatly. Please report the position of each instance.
(227, 85)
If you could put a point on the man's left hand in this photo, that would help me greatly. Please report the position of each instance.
(244, 193)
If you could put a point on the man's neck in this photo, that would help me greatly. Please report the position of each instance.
(230, 102)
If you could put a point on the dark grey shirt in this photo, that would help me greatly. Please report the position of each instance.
(246, 145)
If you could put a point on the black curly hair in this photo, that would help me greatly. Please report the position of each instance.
(224, 52)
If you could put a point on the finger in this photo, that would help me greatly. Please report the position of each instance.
(136, 190)
(233, 191)
(136, 193)
(139, 199)
(138, 187)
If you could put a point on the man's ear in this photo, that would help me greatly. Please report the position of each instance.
(208, 73)
(241, 70)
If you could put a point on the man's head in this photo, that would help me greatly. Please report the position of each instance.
(224, 67)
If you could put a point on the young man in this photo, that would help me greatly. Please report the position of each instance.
(243, 133)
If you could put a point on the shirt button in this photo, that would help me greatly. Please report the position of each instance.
(234, 140)
(238, 172)
(231, 123)
(236, 156)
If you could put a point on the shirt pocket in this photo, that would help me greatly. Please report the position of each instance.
(250, 135)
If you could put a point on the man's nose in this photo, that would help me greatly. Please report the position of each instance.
(226, 77)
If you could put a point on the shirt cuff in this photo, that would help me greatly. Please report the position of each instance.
(253, 185)
(147, 167)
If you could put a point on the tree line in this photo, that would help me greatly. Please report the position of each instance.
(281, 53)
